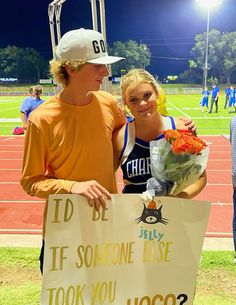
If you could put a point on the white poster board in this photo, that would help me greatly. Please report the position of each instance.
(132, 253)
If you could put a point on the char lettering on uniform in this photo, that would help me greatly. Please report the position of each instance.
(138, 167)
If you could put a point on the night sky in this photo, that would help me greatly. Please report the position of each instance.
(168, 27)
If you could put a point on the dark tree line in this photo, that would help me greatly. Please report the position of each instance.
(28, 65)
(221, 58)
(24, 64)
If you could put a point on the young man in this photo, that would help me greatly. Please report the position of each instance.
(68, 145)
(214, 97)
(26, 101)
(233, 143)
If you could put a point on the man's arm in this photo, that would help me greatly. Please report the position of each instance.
(36, 181)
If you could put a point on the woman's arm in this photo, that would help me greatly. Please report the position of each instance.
(118, 143)
(195, 188)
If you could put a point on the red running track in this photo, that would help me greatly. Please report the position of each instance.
(20, 213)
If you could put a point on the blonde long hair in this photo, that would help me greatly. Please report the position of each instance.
(143, 76)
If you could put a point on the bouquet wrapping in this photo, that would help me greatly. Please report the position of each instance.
(178, 160)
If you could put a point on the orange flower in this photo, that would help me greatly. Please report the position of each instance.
(171, 135)
(184, 141)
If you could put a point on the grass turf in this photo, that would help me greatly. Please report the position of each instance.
(177, 105)
(21, 280)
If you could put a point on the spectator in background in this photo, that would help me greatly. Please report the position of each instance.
(231, 99)
(30, 103)
(227, 94)
(214, 98)
(204, 100)
(233, 145)
(26, 101)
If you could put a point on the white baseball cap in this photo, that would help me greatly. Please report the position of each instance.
(84, 45)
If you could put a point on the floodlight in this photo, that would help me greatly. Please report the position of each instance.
(209, 3)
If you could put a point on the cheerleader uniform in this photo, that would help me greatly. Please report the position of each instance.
(135, 158)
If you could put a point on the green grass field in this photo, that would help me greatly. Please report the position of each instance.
(207, 123)
(10, 113)
(21, 279)
(177, 105)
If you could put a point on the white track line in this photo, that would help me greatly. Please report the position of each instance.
(21, 230)
(219, 233)
(219, 170)
(22, 201)
(221, 184)
(16, 145)
(10, 169)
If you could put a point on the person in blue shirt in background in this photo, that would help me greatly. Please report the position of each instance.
(30, 103)
(204, 100)
(227, 93)
(214, 97)
(232, 93)
(233, 145)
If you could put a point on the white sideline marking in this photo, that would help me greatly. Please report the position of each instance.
(185, 114)
(211, 118)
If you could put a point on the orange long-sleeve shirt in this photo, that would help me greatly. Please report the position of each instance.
(66, 143)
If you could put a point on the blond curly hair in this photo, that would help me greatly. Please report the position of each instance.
(59, 72)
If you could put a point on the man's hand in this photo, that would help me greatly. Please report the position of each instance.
(190, 124)
(93, 191)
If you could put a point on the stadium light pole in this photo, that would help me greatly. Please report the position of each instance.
(208, 5)
(94, 14)
(54, 10)
(58, 8)
(51, 12)
(106, 86)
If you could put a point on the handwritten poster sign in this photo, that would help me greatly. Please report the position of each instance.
(131, 253)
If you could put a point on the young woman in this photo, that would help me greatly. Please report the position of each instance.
(131, 143)
(30, 103)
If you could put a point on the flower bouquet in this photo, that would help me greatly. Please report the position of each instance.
(177, 161)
